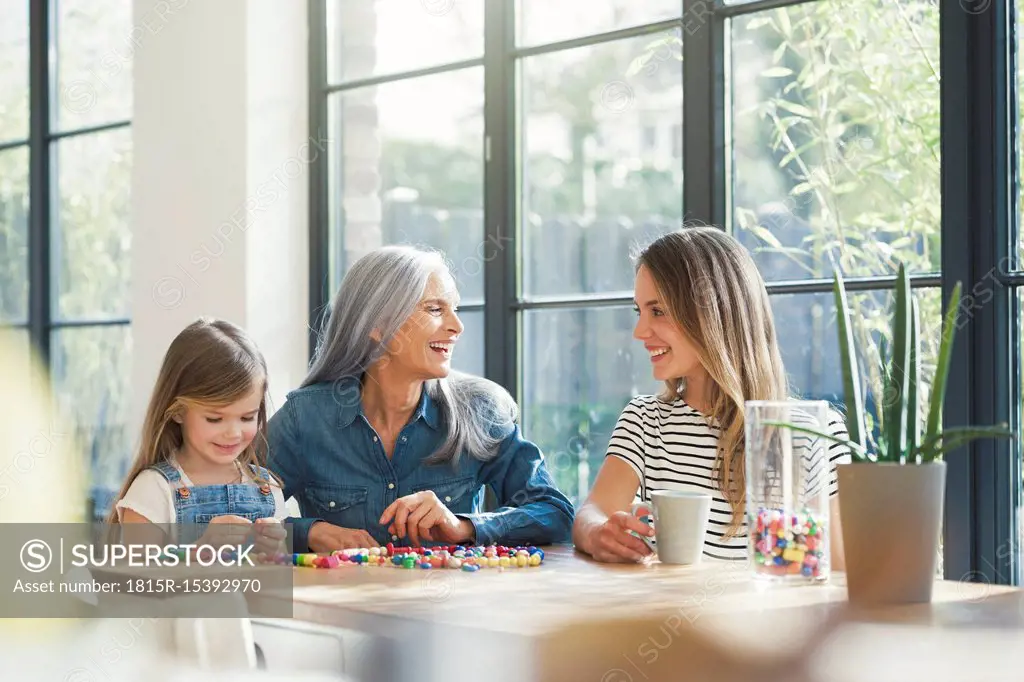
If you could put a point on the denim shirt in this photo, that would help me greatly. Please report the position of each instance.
(333, 463)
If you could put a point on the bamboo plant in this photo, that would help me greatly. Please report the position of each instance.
(901, 439)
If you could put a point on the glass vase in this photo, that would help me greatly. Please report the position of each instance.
(787, 485)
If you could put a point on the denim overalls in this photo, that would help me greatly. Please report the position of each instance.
(200, 504)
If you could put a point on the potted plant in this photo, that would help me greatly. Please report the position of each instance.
(891, 494)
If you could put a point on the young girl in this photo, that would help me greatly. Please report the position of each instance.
(705, 319)
(203, 442)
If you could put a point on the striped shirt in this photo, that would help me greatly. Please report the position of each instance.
(671, 446)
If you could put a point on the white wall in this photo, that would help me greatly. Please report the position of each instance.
(219, 184)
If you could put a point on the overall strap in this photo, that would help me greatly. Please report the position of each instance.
(168, 471)
(263, 478)
(261, 473)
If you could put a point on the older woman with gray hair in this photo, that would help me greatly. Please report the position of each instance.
(384, 442)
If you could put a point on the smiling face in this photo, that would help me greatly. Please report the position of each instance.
(672, 354)
(219, 434)
(424, 344)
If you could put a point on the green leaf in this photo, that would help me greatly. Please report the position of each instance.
(898, 389)
(935, 453)
(886, 401)
(851, 373)
(951, 439)
(938, 391)
(667, 40)
(793, 107)
(913, 415)
(856, 449)
(780, 51)
(638, 63)
(777, 72)
(796, 153)
(785, 28)
(766, 236)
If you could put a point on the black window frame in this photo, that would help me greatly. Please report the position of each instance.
(978, 185)
(42, 320)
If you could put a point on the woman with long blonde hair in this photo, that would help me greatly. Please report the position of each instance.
(705, 319)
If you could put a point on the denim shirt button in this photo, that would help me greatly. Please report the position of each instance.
(332, 503)
(391, 486)
(405, 438)
(375, 439)
(447, 499)
(394, 537)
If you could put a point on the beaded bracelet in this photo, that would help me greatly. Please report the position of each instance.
(469, 559)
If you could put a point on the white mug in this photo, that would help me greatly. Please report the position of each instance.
(680, 524)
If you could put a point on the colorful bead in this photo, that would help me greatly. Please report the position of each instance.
(469, 559)
(787, 543)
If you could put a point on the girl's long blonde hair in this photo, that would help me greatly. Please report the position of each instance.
(211, 363)
(717, 296)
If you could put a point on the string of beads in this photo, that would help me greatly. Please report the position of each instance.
(457, 557)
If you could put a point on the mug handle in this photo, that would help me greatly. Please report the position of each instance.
(649, 515)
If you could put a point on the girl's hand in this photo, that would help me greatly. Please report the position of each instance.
(421, 516)
(270, 536)
(612, 542)
(226, 529)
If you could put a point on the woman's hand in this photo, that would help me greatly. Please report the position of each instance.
(612, 541)
(326, 537)
(422, 516)
(270, 536)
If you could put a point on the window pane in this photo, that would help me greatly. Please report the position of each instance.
(1019, 418)
(835, 127)
(92, 236)
(14, 235)
(806, 329)
(91, 369)
(95, 44)
(580, 368)
(544, 21)
(1017, 251)
(600, 171)
(14, 71)
(469, 353)
(368, 38)
(15, 355)
(407, 162)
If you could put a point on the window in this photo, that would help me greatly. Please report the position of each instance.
(65, 160)
(814, 131)
(834, 112)
(407, 148)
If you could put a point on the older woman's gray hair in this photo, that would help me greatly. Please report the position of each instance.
(379, 292)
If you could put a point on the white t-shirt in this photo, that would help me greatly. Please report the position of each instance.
(671, 446)
(151, 495)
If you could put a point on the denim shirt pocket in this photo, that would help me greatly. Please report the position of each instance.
(456, 493)
(341, 505)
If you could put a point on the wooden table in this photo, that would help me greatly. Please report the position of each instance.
(573, 618)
